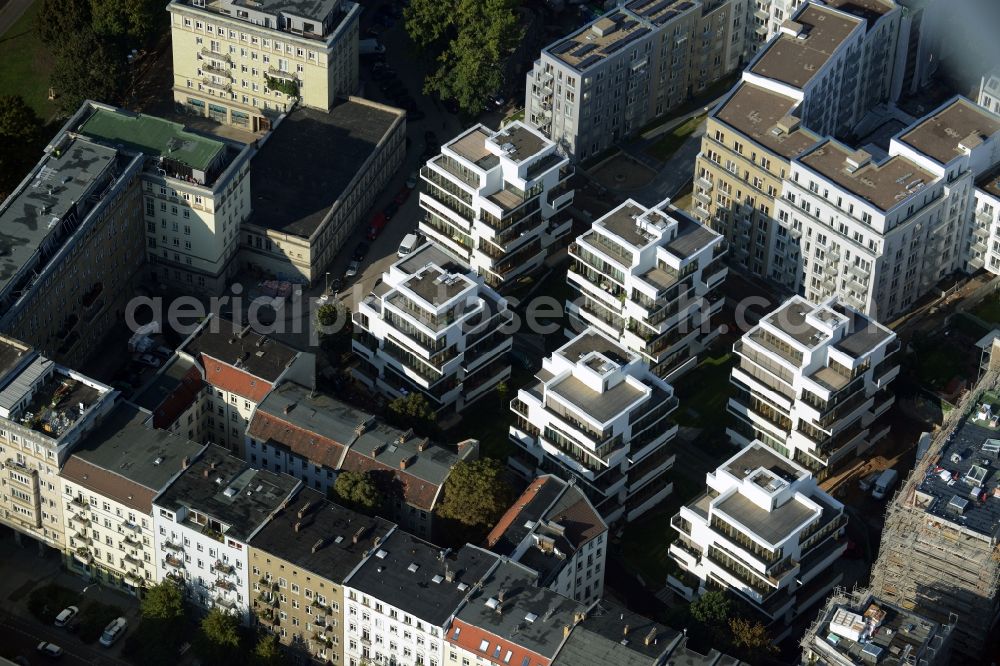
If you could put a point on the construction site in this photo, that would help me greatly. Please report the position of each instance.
(938, 554)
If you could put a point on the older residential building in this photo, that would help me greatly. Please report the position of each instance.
(177, 399)
(939, 544)
(794, 87)
(196, 193)
(303, 217)
(497, 200)
(605, 81)
(72, 233)
(108, 486)
(400, 603)
(599, 416)
(860, 627)
(989, 92)
(313, 437)
(812, 382)
(554, 530)
(204, 522)
(432, 326)
(246, 63)
(764, 530)
(239, 367)
(298, 563)
(46, 410)
(510, 620)
(650, 278)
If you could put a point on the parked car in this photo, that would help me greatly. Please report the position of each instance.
(411, 180)
(352, 269)
(867, 480)
(402, 196)
(65, 615)
(360, 251)
(148, 359)
(409, 244)
(497, 100)
(370, 46)
(379, 220)
(50, 649)
(390, 210)
(115, 630)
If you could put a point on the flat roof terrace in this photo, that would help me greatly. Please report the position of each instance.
(765, 117)
(756, 456)
(518, 142)
(63, 179)
(796, 60)
(883, 185)
(692, 237)
(791, 320)
(990, 182)
(472, 147)
(436, 286)
(623, 223)
(152, 136)
(602, 406)
(598, 40)
(334, 147)
(772, 526)
(943, 134)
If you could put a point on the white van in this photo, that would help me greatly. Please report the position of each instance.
(370, 47)
(408, 245)
(115, 629)
(885, 483)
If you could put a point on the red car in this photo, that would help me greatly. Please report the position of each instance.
(402, 196)
(379, 220)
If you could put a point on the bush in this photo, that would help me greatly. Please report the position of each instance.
(94, 617)
(46, 602)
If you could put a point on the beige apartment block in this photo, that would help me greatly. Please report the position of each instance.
(245, 63)
(298, 563)
(45, 412)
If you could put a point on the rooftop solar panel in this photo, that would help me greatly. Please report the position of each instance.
(659, 6)
(559, 49)
(628, 39)
(588, 61)
(665, 16)
(584, 50)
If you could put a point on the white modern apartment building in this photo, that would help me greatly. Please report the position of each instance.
(989, 92)
(431, 325)
(204, 521)
(649, 278)
(108, 486)
(46, 410)
(400, 602)
(985, 237)
(605, 81)
(812, 381)
(497, 200)
(599, 416)
(764, 530)
(195, 194)
(245, 63)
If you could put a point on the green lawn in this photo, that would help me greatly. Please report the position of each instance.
(989, 309)
(668, 143)
(25, 65)
(938, 364)
(703, 393)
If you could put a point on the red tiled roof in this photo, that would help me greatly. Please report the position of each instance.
(118, 488)
(183, 395)
(310, 445)
(226, 377)
(417, 492)
(514, 511)
(471, 637)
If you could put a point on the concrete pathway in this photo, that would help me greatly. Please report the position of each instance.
(10, 13)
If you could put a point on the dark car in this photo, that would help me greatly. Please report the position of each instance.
(401, 196)
(360, 251)
(390, 210)
(378, 223)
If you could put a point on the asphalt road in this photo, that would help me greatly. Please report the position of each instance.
(10, 11)
(19, 636)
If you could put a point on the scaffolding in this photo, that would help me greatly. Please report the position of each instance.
(936, 566)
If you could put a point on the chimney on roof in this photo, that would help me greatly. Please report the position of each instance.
(566, 630)
(377, 450)
(500, 594)
(650, 637)
(422, 444)
(357, 535)
(360, 429)
(211, 465)
(579, 617)
(377, 541)
(449, 575)
(304, 509)
(405, 462)
(298, 525)
(316, 546)
(856, 160)
(186, 462)
(289, 407)
(206, 472)
(625, 630)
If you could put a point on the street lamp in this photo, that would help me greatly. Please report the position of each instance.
(327, 283)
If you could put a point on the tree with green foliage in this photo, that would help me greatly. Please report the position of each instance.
(20, 132)
(476, 494)
(162, 601)
(470, 40)
(88, 68)
(358, 491)
(58, 19)
(750, 639)
(502, 390)
(711, 608)
(413, 411)
(18, 121)
(218, 639)
(131, 20)
(267, 652)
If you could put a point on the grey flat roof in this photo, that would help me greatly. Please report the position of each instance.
(389, 577)
(437, 286)
(522, 596)
(520, 143)
(989, 182)
(791, 319)
(758, 455)
(764, 116)
(163, 383)
(314, 412)
(590, 341)
(940, 134)
(692, 236)
(62, 179)
(601, 639)
(258, 354)
(602, 406)
(330, 540)
(429, 253)
(865, 334)
(621, 222)
(884, 185)
(10, 357)
(773, 525)
(795, 61)
(966, 444)
(202, 488)
(123, 445)
(308, 160)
